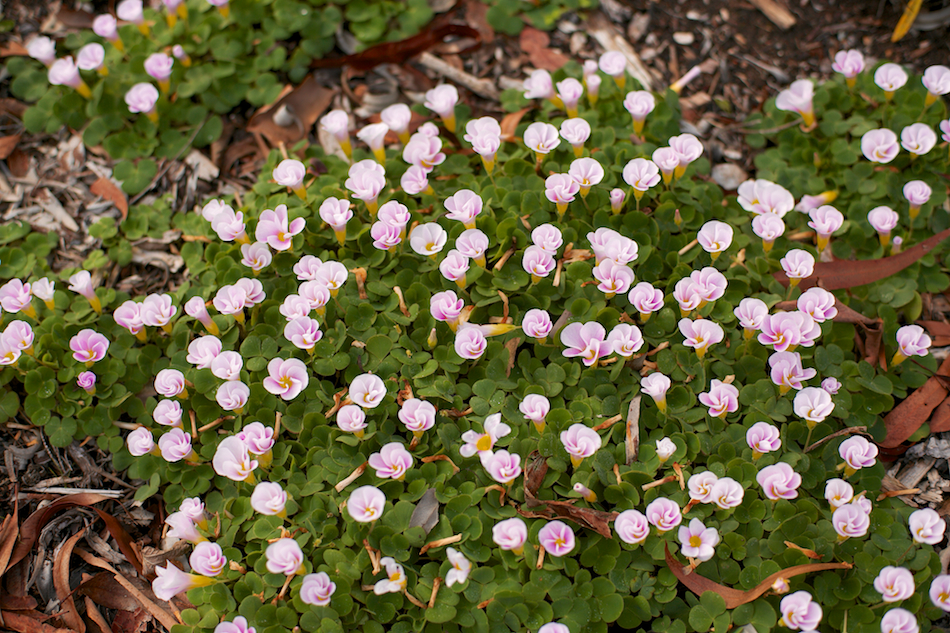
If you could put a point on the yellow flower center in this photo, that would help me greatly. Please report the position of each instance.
(484, 443)
(286, 382)
(395, 577)
(695, 541)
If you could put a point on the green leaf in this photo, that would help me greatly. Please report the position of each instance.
(135, 176)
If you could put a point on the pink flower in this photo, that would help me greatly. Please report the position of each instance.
(764, 196)
(665, 448)
(895, 584)
(287, 377)
(464, 206)
(423, 151)
(639, 104)
(646, 299)
(445, 306)
(167, 413)
(130, 11)
(715, 237)
(367, 391)
(721, 399)
(857, 453)
(397, 117)
(838, 492)
(799, 612)
(641, 174)
(926, 526)
(656, 385)
(44, 289)
(395, 582)
(600, 239)
(912, 340)
(818, 303)
(813, 405)
(663, 514)
(140, 442)
(427, 238)
(105, 26)
(232, 460)
(256, 256)
(269, 498)
(366, 180)
(701, 486)
(798, 98)
(687, 149)
(258, 438)
(208, 559)
(768, 227)
(442, 100)
(586, 340)
(710, 283)
(42, 49)
(196, 308)
(232, 395)
(580, 441)
(763, 438)
(290, 173)
(667, 160)
(557, 538)
(385, 236)
(473, 243)
(470, 342)
(613, 277)
(202, 351)
(535, 407)
(918, 139)
(417, 415)
(632, 526)
(849, 63)
(90, 57)
(86, 380)
(576, 132)
(586, 172)
(625, 339)
(831, 385)
(303, 332)
(170, 383)
(779, 481)
(392, 461)
(510, 534)
(337, 123)
(317, 589)
(879, 146)
(227, 365)
(89, 346)
(936, 80)
(825, 220)
(394, 214)
(849, 520)
(374, 135)
(502, 466)
(787, 371)
(541, 138)
(686, 294)
(783, 330)
(700, 334)
(613, 63)
(352, 419)
(727, 493)
(697, 541)
(917, 193)
(141, 98)
(63, 72)
(332, 275)
(890, 77)
(158, 66)
(940, 592)
(176, 446)
(284, 556)
(570, 92)
(899, 621)
(157, 310)
(616, 200)
(454, 266)
(229, 225)
(539, 85)
(461, 567)
(366, 504)
(171, 581)
(537, 262)
(560, 189)
(483, 443)
(536, 323)
(307, 268)
(276, 230)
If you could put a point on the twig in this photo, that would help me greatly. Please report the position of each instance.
(435, 590)
(440, 542)
(211, 425)
(353, 477)
(482, 87)
(847, 431)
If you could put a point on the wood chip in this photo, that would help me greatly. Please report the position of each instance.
(611, 39)
(775, 12)
(912, 473)
(482, 87)
(52, 206)
(202, 165)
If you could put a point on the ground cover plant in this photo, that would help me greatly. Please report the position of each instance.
(543, 378)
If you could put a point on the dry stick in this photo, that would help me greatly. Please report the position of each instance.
(659, 482)
(194, 430)
(277, 418)
(482, 87)
(211, 425)
(435, 591)
(414, 600)
(353, 477)
(847, 431)
(608, 422)
(540, 557)
(373, 556)
(440, 542)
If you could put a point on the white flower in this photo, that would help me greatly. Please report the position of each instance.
(461, 567)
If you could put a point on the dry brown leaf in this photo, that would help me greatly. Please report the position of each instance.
(302, 106)
(733, 597)
(915, 410)
(64, 592)
(13, 49)
(809, 553)
(9, 532)
(29, 622)
(106, 591)
(130, 621)
(510, 123)
(107, 189)
(19, 163)
(534, 472)
(8, 144)
(938, 330)
(535, 43)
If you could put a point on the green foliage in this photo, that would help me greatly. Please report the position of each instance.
(382, 324)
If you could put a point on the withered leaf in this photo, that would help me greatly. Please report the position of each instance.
(29, 622)
(534, 472)
(106, 591)
(733, 597)
(535, 44)
(915, 410)
(303, 105)
(61, 581)
(426, 512)
(107, 189)
(842, 274)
